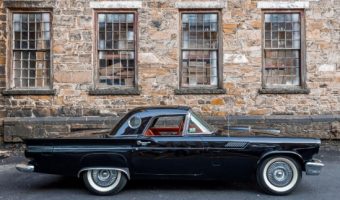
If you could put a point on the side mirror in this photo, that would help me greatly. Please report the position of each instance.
(219, 132)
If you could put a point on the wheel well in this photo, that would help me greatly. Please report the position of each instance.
(104, 161)
(125, 171)
(292, 155)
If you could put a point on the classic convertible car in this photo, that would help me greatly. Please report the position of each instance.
(173, 142)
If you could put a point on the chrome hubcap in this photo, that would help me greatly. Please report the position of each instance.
(279, 174)
(103, 177)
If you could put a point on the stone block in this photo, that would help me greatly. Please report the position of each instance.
(2, 60)
(58, 49)
(283, 5)
(116, 4)
(229, 28)
(335, 130)
(15, 133)
(258, 112)
(217, 101)
(200, 5)
(235, 59)
(327, 68)
(78, 77)
(256, 24)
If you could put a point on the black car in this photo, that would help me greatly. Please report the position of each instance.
(173, 142)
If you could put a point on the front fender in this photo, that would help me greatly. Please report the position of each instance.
(292, 154)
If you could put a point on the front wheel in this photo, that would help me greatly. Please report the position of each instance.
(279, 175)
(104, 181)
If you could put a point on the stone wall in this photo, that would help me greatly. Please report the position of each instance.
(158, 63)
(3, 37)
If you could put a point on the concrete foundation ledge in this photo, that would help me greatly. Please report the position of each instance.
(16, 129)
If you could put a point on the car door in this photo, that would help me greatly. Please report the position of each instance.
(223, 157)
(227, 157)
(163, 149)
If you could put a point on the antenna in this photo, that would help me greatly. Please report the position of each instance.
(228, 123)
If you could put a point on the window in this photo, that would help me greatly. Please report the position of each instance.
(130, 125)
(198, 126)
(135, 122)
(116, 45)
(200, 50)
(166, 126)
(31, 48)
(283, 49)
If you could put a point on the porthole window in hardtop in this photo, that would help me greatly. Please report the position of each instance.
(135, 122)
(166, 126)
(131, 125)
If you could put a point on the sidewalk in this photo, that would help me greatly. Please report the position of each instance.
(11, 156)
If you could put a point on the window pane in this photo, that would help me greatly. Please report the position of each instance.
(116, 45)
(109, 18)
(28, 32)
(117, 68)
(193, 128)
(16, 17)
(282, 66)
(200, 67)
(296, 17)
(129, 18)
(101, 18)
(167, 126)
(46, 17)
(199, 49)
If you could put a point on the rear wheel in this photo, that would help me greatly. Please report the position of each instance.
(104, 181)
(279, 175)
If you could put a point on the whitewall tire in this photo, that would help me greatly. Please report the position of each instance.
(104, 181)
(279, 175)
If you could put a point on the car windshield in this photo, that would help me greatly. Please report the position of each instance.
(203, 122)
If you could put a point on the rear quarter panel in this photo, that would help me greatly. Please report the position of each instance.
(69, 156)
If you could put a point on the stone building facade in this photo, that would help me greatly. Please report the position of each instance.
(72, 65)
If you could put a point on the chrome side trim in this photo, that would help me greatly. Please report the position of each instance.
(236, 145)
(124, 170)
(39, 149)
(25, 168)
(314, 167)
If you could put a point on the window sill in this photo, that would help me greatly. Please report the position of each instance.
(130, 91)
(28, 92)
(184, 91)
(284, 91)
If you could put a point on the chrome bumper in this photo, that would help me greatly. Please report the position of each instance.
(25, 168)
(314, 167)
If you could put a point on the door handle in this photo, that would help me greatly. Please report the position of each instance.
(140, 143)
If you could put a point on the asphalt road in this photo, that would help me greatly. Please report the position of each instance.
(16, 185)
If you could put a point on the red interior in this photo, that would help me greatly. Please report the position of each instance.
(157, 131)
